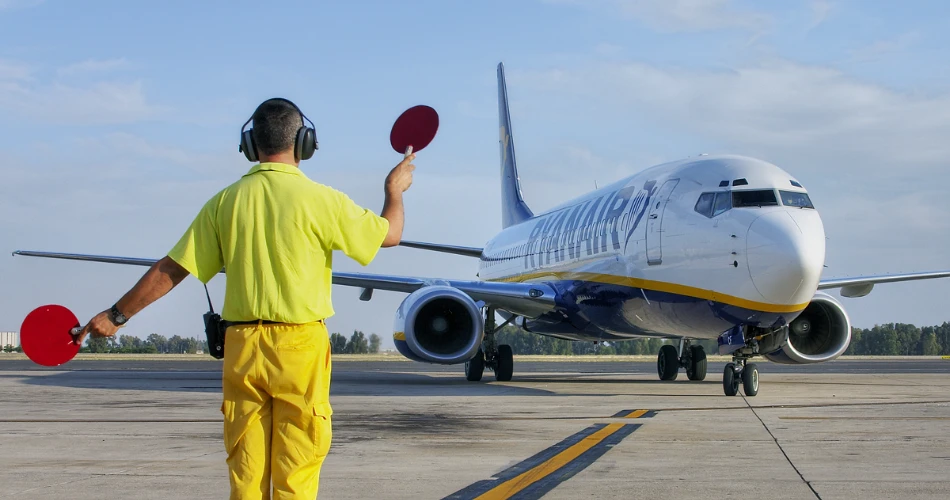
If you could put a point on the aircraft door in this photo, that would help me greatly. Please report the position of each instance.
(654, 233)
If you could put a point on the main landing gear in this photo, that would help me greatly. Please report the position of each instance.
(497, 358)
(691, 357)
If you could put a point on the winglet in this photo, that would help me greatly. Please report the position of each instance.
(513, 207)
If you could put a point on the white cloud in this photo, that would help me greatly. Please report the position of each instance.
(92, 66)
(682, 15)
(778, 106)
(881, 48)
(24, 93)
(608, 49)
(820, 10)
(14, 71)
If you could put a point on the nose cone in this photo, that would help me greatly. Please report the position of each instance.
(786, 252)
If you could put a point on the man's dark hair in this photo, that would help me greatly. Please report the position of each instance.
(276, 123)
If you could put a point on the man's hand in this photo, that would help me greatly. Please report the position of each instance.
(99, 326)
(397, 182)
(400, 178)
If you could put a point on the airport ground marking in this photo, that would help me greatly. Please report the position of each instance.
(634, 414)
(538, 475)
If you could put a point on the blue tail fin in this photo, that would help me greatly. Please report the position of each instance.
(513, 207)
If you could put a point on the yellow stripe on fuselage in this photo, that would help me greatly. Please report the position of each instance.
(661, 286)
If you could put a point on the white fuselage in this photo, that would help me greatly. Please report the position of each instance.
(659, 253)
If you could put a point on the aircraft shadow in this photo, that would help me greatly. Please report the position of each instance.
(343, 384)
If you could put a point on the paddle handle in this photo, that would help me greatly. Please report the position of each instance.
(408, 150)
(75, 331)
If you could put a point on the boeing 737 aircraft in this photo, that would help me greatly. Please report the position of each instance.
(713, 247)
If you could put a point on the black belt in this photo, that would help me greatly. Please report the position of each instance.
(228, 324)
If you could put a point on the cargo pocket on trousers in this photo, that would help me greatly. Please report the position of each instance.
(322, 430)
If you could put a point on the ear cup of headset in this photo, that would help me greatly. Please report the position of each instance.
(247, 145)
(305, 144)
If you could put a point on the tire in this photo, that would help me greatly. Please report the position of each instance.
(506, 364)
(696, 369)
(668, 363)
(730, 384)
(750, 380)
(475, 367)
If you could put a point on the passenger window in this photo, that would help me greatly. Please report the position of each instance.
(705, 204)
(723, 203)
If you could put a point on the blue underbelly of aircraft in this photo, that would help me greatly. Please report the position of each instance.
(597, 311)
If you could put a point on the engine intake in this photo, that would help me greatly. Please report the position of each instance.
(438, 324)
(822, 332)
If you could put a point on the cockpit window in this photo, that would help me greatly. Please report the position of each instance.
(756, 198)
(705, 204)
(713, 204)
(796, 199)
(723, 203)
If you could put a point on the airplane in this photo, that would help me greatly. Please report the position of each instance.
(724, 247)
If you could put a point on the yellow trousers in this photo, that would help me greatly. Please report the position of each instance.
(276, 409)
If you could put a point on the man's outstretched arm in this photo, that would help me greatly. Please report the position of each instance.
(157, 281)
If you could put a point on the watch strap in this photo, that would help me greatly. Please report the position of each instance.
(117, 317)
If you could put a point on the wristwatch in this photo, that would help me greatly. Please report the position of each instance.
(118, 318)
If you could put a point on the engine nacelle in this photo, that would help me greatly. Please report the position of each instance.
(438, 324)
(822, 332)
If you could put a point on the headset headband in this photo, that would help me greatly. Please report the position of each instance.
(305, 142)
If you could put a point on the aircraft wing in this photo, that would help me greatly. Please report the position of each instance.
(524, 299)
(862, 285)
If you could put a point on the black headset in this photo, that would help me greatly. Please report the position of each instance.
(304, 144)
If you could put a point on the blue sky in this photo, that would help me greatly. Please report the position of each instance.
(119, 119)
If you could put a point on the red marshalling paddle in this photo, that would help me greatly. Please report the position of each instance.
(414, 129)
(47, 335)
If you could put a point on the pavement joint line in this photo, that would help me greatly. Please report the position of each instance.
(792, 406)
(536, 476)
(807, 483)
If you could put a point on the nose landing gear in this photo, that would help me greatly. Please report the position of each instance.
(739, 370)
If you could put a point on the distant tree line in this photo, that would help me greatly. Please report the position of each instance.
(357, 344)
(899, 339)
(893, 339)
(153, 344)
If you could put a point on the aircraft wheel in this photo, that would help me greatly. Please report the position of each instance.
(668, 363)
(730, 383)
(696, 368)
(475, 367)
(750, 380)
(506, 364)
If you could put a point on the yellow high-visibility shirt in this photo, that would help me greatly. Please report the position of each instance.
(274, 232)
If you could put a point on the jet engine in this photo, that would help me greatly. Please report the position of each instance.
(438, 324)
(822, 332)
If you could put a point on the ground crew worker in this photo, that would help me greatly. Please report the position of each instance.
(273, 231)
